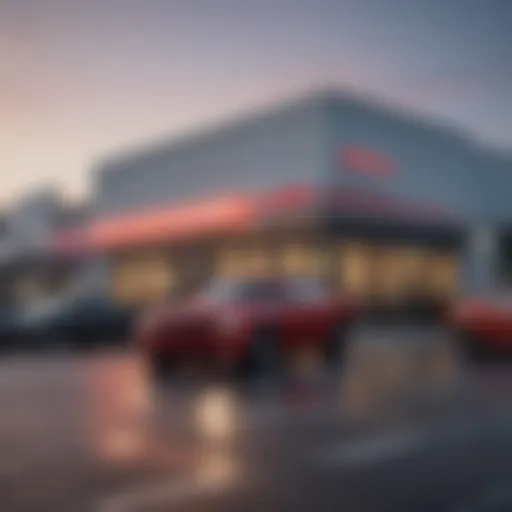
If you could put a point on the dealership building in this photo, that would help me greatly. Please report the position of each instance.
(369, 198)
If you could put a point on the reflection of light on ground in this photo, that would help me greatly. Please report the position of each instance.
(118, 409)
(122, 445)
(218, 469)
(136, 397)
(216, 415)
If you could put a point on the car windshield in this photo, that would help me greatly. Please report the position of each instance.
(492, 297)
(87, 302)
(304, 288)
(501, 299)
(249, 290)
(42, 309)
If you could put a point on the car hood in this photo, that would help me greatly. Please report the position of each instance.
(178, 314)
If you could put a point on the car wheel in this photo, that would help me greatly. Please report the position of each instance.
(471, 347)
(159, 366)
(336, 344)
(264, 356)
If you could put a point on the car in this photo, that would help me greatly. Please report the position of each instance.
(8, 329)
(246, 325)
(483, 324)
(78, 321)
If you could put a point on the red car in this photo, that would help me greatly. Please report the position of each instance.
(247, 325)
(484, 324)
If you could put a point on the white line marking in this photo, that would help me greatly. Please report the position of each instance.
(397, 443)
(373, 449)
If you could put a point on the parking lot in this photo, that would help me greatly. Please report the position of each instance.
(91, 432)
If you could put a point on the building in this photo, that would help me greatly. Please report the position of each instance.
(372, 199)
(31, 269)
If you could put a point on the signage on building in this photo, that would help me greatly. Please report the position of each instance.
(360, 159)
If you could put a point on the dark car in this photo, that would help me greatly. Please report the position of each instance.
(483, 324)
(246, 324)
(8, 329)
(79, 321)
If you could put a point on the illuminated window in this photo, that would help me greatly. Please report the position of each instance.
(443, 275)
(237, 263)
(258, 261)
(356, 264)
(142, 280)
(389, 275)
(304, 260)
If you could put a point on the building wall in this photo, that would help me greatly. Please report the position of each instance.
(488, 257)
(306, 142)
(427, 163)
(279, 147)
(31, 221)
(490, 190)
(300, 142)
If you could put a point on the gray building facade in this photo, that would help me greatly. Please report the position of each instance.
(330, 142)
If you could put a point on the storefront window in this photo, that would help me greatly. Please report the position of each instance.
(443, 275)
(356, 271)
(395, 272)
(258, 261)
(244, 262)
(303, 260)
(389, 273)
(143, 280)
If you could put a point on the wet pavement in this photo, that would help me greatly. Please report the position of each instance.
(91, 433)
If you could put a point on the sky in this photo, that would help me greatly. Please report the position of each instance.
(80, 80)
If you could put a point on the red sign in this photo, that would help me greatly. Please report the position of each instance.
(367, 161)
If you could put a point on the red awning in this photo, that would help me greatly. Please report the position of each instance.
(233, 213)
(214, 216)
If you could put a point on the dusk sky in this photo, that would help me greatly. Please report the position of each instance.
(82, 79)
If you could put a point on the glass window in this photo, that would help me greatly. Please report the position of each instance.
(142, 280)
(389, 274)
(443, 275)
(306, 289)
(257, 290)
(244, 262)
(356, 268)
(301, 259)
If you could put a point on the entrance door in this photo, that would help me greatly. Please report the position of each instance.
(356, 269)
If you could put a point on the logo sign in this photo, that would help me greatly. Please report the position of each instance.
(366, 161)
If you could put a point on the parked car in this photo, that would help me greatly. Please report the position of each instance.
(483, 324)
(75, 321)
(246, 325)
(8, 329)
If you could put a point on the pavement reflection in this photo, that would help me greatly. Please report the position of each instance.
(131, 423)
(117, 409)
(97, 431)
(217, 414)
